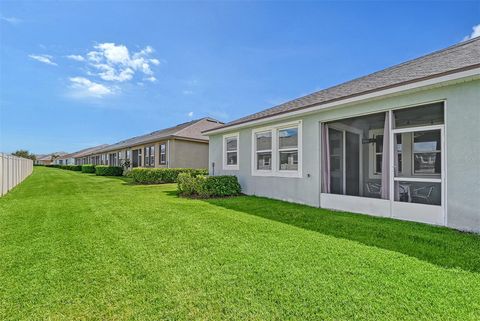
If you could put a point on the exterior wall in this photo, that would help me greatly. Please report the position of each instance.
(180, 153)
(157, 153)
(462, 152)
(64, 161)
(43, 161)
(188, 154)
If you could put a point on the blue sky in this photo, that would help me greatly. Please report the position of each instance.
(78, 74)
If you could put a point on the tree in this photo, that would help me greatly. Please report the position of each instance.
(25, 154)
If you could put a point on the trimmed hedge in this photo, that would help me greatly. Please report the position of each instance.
(162, 175)
(208, 186)
(77, 168)
(88, 168)
(104, 170)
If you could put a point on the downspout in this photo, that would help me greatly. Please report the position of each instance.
(168, 153)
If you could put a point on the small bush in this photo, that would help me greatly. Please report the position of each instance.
(104, 170)
(162, 175)
(53, 165)
(88, 168)
(186, 184)
(208, 186)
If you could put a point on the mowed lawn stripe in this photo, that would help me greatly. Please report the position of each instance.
(78, 246)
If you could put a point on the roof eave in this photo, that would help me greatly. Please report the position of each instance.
(464, 74)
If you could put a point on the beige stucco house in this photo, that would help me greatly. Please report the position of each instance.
(183, 145)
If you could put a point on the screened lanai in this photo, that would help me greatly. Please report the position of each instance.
(394, 155)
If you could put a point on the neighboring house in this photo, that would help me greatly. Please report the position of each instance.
(82, 157)
(40, 159)
(402, 143)
(183, 145)
(69, 159)
(48, 158)
(64, 160)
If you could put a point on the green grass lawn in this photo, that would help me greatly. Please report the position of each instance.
(80, 247)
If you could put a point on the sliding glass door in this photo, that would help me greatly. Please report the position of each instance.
(345, 160)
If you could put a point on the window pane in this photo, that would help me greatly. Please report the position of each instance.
(289, 161)
(419, 116)
(264, 161)
(426, 141)
(427, 163)
(288, 138)
(232, 144)
(335, 142)
(335, 163)
(378, 143)
(264, 141)
(231, 158)
(418, 192)
(378, 163)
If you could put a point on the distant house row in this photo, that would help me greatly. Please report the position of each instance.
(183, 145)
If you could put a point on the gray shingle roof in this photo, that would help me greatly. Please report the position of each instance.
(462, 56)
(84, 152)
(190, 130)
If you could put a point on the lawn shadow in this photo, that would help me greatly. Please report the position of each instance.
(438, 245)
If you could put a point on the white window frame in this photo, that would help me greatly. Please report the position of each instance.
(435, 175)
(224, 151)
(164, 154)
(255, 151)
(372, 174)
(275, 171)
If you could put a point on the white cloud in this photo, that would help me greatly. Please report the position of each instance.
(46, 59)
(151, 79)
(112, 62)
(85, 88)
(113, 53)
(76, 57)
(11, 20)
(475, 33)
(109, 73)
(187, 92)
(190, 114)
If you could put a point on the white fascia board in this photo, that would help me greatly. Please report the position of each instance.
(441, 81)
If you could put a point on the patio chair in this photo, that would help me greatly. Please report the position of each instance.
(374, 188)
(423, 194)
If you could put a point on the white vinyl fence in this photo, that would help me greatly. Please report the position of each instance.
(13, 170)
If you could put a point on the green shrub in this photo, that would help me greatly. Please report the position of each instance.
(162, 175)
(53, 165)
(88, 168)
(208, 186)
(186, 184)
(77, 168)
(104, 170)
